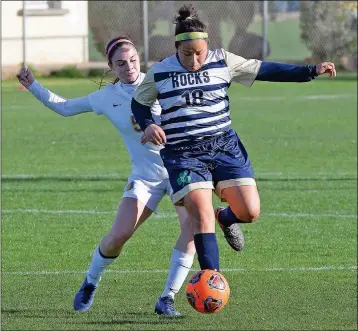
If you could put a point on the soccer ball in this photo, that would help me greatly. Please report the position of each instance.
(208, 291)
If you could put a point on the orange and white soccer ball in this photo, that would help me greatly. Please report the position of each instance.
(208, 291)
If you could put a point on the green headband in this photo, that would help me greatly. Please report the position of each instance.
(191, 36)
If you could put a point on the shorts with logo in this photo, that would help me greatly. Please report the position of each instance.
(148, 191)
(216, 163)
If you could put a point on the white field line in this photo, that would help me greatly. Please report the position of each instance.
(37, 211)
(161, 215)
(121, 175)
(272, 98)
(34, 176)
(63, 272)
(300, 98)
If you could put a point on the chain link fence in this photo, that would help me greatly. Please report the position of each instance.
(288, 31)
(227, 23)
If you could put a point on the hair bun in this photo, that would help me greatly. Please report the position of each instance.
(186, 12)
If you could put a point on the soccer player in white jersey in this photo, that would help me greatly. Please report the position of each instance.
(202, 152)
(147, 184)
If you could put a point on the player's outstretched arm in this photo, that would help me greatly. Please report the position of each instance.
(60, 105)
(283, 72)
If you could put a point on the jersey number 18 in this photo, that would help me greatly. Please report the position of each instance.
(193, 98)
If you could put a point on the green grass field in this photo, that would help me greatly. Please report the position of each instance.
(62, 179)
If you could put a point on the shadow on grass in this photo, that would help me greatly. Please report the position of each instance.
(140, 318)
(36, 313)
(72, 317)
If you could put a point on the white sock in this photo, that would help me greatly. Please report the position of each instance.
(180, 265)
(98, 264)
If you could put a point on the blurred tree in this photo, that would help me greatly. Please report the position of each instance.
(108, 19)
(329, 28)
(246, 44)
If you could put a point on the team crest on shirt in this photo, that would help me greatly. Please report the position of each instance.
(129, 186)
(183, 178)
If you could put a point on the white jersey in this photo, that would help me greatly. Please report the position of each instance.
(195, 105)
(114, 102)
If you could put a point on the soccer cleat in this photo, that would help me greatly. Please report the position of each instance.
(165, 306)
(84, 297)
(232, 233)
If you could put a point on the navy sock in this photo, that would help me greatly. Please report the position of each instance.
(208, 251)
(227, 217)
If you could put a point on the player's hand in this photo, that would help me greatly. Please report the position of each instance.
(326, 68)
(25, 77)
(154, 134)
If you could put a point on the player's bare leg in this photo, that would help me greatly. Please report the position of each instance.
(130, 215)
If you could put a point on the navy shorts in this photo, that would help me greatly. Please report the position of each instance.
(216, 163)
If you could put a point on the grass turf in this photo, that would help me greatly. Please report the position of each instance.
(62, 179)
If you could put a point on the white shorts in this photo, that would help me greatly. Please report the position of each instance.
(150, 192)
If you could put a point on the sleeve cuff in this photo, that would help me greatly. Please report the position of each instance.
(35, 86)
(146, 123)
(313, 72)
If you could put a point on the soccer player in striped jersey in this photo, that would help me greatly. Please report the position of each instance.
(147, 184)
(202, 152)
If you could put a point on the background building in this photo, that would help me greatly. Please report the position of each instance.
(56, 33)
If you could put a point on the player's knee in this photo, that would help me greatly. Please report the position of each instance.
(119, 239)
(185, 225)
(200, 222)
(201, 215)
(249, 215)
(253, 214)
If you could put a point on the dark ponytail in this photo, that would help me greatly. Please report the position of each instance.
(187, 20)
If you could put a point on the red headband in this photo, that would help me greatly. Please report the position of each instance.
(117, 42)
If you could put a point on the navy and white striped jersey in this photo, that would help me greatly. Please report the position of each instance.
(195, 105)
